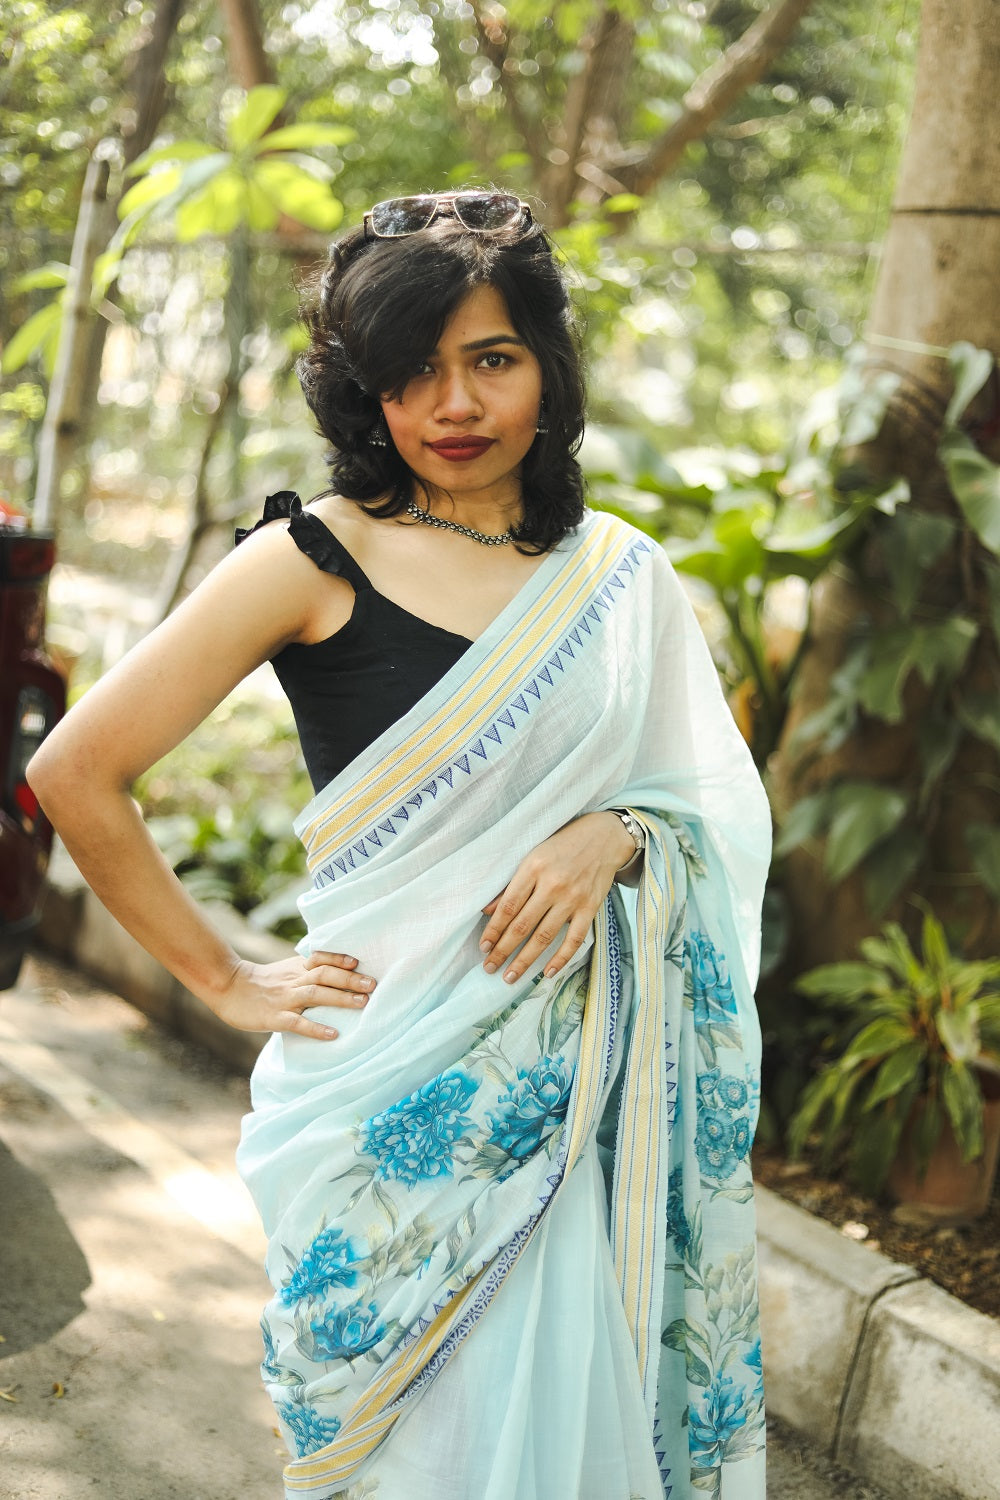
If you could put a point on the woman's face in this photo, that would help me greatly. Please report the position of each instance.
(468, 415)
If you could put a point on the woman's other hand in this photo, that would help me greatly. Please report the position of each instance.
(272, 997)
(559, 884)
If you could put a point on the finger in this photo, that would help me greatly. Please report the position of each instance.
(576, 935)
(341, 979)
(543, 937)
(303, 1026)
(490, 907)
(536, 921)
(506, 908)
(327, 994)
(339, 960)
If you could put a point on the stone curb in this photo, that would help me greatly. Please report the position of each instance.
(876, 1366)
(884, 1371)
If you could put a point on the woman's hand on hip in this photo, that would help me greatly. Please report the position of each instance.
(559, 884)
(272, 997)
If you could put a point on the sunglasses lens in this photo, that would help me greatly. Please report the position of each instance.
(487, 210)
(399, 216)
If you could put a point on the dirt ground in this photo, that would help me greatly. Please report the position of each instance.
(964, 1260)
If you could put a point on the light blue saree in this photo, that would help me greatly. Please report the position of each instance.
(511, 1227)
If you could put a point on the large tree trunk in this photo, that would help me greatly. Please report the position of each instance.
(936, 286)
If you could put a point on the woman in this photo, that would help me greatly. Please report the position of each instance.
(500, 1133)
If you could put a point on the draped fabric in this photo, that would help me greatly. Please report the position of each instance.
(511, 1226)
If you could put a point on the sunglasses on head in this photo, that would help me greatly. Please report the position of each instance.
(480, 212)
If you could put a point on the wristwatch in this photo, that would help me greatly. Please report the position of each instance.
(634, 831)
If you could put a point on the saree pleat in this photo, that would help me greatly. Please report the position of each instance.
(467, 1301)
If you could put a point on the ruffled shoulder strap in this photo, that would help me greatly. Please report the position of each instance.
(310, 536)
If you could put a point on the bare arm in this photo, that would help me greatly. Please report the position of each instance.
(261, 597)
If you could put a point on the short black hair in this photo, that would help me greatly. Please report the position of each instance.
(377, 309)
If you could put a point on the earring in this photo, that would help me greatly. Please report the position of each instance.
(378, 437)
(543, 424)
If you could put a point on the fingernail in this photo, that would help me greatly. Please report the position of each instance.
(485, 946)
(510, 976)
(331, 1033)
(490, 968)
(367, 984)
(550, 972)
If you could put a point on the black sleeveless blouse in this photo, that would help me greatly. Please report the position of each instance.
(345, 691)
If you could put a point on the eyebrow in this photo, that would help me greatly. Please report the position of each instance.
(497, 338)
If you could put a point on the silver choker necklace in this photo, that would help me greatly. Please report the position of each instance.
(484, 538)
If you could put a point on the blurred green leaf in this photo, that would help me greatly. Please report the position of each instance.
(259, 110)
(983, 843)
(38, 335)
(971, 368)
(149, 190)
(305, 136)
(899, 1069)
(177, 151)
(963, 1101)
(890, 866)
(54, 273)
(938, 650)
(298, 195)
(861, 822)
(975, 483)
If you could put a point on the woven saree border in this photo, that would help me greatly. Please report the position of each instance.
(638, 1214)
(470, 724)
(417, 1362)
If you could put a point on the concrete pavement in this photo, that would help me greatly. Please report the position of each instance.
(129, 1363)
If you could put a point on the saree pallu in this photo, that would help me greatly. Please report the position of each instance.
(510, 1227)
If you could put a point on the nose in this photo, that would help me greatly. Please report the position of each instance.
(457, 397)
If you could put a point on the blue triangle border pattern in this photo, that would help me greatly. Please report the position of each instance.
(516, 712)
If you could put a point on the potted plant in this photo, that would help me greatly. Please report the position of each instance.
(914, 1096)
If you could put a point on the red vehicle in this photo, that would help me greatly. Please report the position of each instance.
(32, 700)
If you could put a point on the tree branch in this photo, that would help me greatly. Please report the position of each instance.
(494, 39)
(741, 65)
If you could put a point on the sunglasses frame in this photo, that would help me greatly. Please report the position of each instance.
(445, 200)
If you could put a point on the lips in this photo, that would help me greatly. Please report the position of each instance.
(458, 450)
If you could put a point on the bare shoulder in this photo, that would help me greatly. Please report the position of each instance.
(284, 581)
(346, 519)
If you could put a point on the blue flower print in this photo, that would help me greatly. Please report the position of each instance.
(309, 1430)
(329, 1261)
(531, 1108)
(741, 1137)
(755, 1359)
(710, 985)
(345, 1334)
(678, 1227)
(415, 1139)
(718, 1419)
(732, 1092)
(269, 1369)
(708, 1084)
(713, 1144)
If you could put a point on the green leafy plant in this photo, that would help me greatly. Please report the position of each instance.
(262, 174)
(919, 1028)
(741, 524)
(883, 830)
(248, 858)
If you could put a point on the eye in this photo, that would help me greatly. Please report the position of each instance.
(493, 359)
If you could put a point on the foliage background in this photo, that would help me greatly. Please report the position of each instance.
(720, 307)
